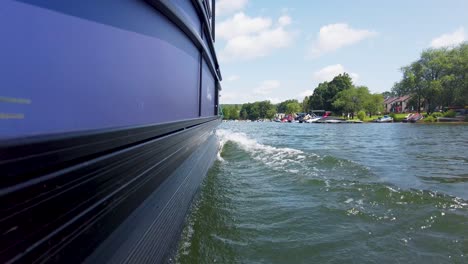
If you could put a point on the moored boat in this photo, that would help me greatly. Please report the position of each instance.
(331, 120)
(415, 118)
(384, 119)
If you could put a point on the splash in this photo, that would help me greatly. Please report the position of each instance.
(252, 145)
(274, 157)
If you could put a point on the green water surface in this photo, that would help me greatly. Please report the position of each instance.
(336, 193)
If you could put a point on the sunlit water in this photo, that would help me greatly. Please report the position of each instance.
(333, 193)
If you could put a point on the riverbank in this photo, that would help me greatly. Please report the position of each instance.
(355, 121)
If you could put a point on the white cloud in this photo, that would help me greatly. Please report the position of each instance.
(251, 37)
(239, 98)
(449, 39)
(241, 24)
(232, 78)
(335, 36)
(227, 97)
(266, 87)
(263, 91)
(274, 100)
(305, 93)
(225, 7)
(285, 20)
(327, 74)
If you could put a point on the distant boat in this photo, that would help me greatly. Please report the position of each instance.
(407, 118)
(331, 120)
(317, 115)
(312, 120)
(415, 117)
(384, 119)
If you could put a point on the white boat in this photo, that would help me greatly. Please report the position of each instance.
(312, 120)
(384, 119)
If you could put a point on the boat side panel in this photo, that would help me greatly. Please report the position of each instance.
(61, 73)
(132, 15)
(186, 7)
(208, 91)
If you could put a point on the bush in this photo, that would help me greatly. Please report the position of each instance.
(430, 119)
(392, 115)
(437, 114)
(361, 115)
(450, 113)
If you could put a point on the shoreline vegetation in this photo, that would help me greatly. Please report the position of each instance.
(436, 86)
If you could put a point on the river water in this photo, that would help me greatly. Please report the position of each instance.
(333, 193)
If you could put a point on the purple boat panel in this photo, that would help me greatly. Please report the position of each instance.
(61, 73)
(208, 92)
(187, 8)
(137, 16)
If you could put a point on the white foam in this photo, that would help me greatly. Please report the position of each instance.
(252, 145)
(274, 157)
(391, 189)
(218, 155)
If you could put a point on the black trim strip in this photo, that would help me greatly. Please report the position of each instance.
(213, 19)
(209, 30)
(67, 213)
(23, 159)
(200, 84)
(168, 9)
(200, 6)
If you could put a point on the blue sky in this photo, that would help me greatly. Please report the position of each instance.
(278, 50)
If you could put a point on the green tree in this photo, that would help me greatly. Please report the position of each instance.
(387, 94)
(230, 111)
(305, 104)
(226, 109)
(374, 104)
(356, 99)
(325, 93)
(282, 107)
(317, 100)
(243, 114)
(266, 109)
(293, 107)
(348, 101)
(257, 110)
(234, 113)
(438, 78)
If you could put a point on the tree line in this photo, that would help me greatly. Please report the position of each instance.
(439, 78)
(339, 96)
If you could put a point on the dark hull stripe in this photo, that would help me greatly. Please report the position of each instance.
(26, 158)
(151, 233)
(67, 213)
